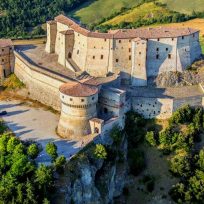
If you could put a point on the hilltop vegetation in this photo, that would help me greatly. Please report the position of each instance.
(19, 16)
(90, 13)
(185, 6)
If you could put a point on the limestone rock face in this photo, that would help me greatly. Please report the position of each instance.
(92, 180)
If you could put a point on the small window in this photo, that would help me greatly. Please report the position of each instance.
(2, 60)
(182, 37)
(129, 49)
(167, 49)
(77, 52)
(93, 57)
(105, 40)
(158, 39)
(130, 57)
(157, 49)
(94, 47)
(78, 34)
(62, 96)
(129, 40)
(71, 99)
(82, 100)
(172, 39)
(138, 64)
(193, 34)
(157, 56)
(117, 60)
(93, 98)
(2, 50)
(119, 41)
(101, 56)
(140, 53)
(169, 56)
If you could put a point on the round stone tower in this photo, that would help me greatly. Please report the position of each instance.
(78, 107)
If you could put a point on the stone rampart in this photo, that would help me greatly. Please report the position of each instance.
(43, 85)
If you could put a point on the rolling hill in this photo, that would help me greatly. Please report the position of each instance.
(145, 11)
(94, 11)
(185, 6)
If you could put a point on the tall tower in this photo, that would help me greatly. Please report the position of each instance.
(78, 107)
(6, 58)
(51, 36)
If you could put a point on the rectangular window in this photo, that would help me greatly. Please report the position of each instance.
(117, 60)
(157, 49)
(129, 49)
(93, 57)
(77, 52)
(169, 56)
(130, 57)
(158, 39)
(119, 41)
(167, 49)
(101, 56)
(182, 37)
(157, 56)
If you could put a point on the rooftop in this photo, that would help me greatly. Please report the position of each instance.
(77, 89)
(144, 33)
(5, 42)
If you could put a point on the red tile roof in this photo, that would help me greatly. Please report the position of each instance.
(77, 89)
(145, 33)
(5, 42)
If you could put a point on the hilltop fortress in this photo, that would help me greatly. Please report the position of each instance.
(135, 53)
(94, 78)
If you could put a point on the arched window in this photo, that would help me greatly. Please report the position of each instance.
(70, 55)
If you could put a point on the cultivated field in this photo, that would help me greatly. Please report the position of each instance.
(145, 11)
(184, 6)
(93, 12)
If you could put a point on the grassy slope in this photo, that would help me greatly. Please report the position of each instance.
(145, 11)
(93, 12)
(185, 6)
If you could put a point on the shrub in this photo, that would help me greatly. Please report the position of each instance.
(136, 161)
(51, 150)
(116, 135)
(100, 152)
(151, 139)
(59, 164)
(33, 151)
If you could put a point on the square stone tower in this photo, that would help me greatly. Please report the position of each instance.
(6, 58)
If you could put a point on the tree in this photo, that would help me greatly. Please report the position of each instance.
(12, 143)
(116, 135)
(33, 151)
(100, 152)
(201, 159)
(44, 177)
(59, 163)
(150, 138)
(51, 150)
(30, 194)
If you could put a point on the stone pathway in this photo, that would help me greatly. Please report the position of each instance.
(37, 124)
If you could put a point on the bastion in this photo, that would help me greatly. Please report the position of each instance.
(78, 107)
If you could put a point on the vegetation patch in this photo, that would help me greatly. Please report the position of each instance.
(12, 83)
(21, 179)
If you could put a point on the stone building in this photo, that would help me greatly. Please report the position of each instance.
(135, 53)
(6, 58)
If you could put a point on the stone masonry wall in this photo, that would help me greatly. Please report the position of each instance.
(41, 86)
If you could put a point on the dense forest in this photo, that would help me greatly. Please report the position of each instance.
(17, 17)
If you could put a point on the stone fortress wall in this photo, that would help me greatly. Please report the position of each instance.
(87, 111)
(6, 58)
(42, 86)
(136, 58)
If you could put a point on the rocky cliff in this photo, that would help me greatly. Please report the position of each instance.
(90, 180)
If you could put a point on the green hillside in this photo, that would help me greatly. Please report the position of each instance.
(90, 13)
(185, 6)
(146, 11)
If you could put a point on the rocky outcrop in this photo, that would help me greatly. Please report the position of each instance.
(192, 76)
(90, 180)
